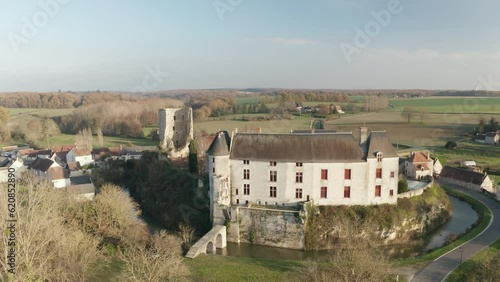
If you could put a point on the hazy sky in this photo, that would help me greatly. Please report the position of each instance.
(116, 44)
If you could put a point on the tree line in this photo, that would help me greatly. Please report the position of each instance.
(59, 100)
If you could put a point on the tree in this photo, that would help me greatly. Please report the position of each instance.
(451, 145)
(84, 138)
(409, 113)
(402, 185)
(159, 260)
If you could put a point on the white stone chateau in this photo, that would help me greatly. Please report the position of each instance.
(289, 169)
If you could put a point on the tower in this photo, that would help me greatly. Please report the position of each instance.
(176, 131)
(218, 165)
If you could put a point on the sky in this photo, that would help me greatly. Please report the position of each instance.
(154, 45)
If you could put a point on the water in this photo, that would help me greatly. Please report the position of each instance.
(463, 216)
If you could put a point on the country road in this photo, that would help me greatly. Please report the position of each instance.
(442, 266)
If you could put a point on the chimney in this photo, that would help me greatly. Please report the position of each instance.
(363, 135)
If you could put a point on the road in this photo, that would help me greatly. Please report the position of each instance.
(442, 266)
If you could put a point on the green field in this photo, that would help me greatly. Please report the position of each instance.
(449, 104)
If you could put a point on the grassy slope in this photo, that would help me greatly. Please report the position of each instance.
(469, 267)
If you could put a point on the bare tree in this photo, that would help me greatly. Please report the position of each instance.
(161, 261)
(84, 138)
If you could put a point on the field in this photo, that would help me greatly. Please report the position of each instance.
(449, 104)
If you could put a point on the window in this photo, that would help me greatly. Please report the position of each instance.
(213, 160)
(391, 192)
(246, 189)
(213, 169)
(347, 173)
(347, 191)
(246, 174)
(378, 189)
(246, 162)
(273, 176)
(379, 157)
(392, 174)
(379, 173)
(237, 201)
(298, 193)
(272, 163)
(324, 174)
(236, 191)
(173, 128)
(298, 177)
(272, 192)
(324, 192)
(299, 164)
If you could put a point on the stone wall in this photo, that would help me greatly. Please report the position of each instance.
(265, 226)
(176, 130)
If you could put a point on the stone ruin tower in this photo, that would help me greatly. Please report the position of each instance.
(176, 131)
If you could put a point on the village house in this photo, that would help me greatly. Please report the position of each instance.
(290, 169)
(498, 192)
(420, 165)
(467, 179)
(492, 138)
(8, 151)
(47, 169)
(81, 155)
(6, 164)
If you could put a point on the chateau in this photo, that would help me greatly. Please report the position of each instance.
(327, 168)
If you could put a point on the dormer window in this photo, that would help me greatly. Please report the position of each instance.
(379, 157)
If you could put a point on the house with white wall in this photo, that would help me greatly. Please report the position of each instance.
(466, 178)
(51, 171)
(419, 165)
(81, 155)
(290, 169)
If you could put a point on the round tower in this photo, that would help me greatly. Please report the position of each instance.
(218, 166)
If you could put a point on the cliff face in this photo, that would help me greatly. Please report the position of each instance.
(401, 224)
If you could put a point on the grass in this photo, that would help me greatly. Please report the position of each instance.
(484, 217)
(469, 267)
(449, 104)
(225, 268)
(267, 126)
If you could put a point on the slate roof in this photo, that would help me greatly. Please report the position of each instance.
(41, 164)
(296, 147)
(463, 175)
(378, 141)
(221, 144)
(480, 137)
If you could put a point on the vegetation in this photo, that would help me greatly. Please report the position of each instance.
(324, 230)
(402, 185)
(483, 266)
(166, 193)
(78, 240)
